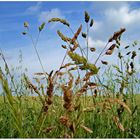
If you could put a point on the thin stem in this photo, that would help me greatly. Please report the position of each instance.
(87, 39)
(3, 57)
(35, 45)
(82, 51)
(101, 52)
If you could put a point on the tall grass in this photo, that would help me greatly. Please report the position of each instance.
(75, 101)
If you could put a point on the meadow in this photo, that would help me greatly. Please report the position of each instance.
(78, 100)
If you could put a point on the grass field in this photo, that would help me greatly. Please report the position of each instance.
(98, 122)
(78, 100)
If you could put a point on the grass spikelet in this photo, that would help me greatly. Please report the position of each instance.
(128, 53)
(77, 58)
(117, 34)
(26, 25)
(118, 124)
(68, 94)
(87, 17)
(91, 23)
(126, 47)
(121, 103)
(104, 62)
(41, 27)
(110, 50)
(92, 49)
(63, 21)
(133, 55)
(50, 90)
(86, 129)
(76, 34)
(64, 38)
(64, 46)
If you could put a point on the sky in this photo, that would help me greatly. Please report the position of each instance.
(108, 18)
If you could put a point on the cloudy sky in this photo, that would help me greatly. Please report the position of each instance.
(108, 18)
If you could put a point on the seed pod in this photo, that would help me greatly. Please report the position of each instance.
(119, 55)
(104, 62)
(24, 33)
(84, 35)
(133, 55)
(111, 49)
(95, 93)
(92, 49)
(132, 65)
(109, 52)
(128, 53)
(26, 25)
(91, 23)
(64, 46)
(127, 47)
(87, 17)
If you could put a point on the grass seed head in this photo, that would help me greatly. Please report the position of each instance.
(87, 17)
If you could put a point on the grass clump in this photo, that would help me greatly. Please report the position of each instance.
(74, 101)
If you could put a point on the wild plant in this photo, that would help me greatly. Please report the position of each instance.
(74, 100)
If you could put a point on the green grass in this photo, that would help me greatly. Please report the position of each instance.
(89, 106)
(99, 121)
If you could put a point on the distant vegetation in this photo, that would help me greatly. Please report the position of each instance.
(75, 101)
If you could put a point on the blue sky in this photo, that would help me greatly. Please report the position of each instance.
(108, 17)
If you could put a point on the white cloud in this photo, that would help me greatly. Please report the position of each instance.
(46, 15)
(123, 16)
(114, 17)
(34, 9)
(96, 43)
(97, 25)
